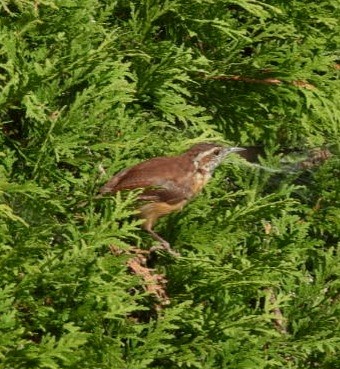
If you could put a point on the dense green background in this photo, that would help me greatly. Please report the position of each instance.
(88, 85)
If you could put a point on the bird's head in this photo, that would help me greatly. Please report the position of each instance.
(207, 156)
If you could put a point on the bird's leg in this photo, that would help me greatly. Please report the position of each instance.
(150, 214)
(165, 244)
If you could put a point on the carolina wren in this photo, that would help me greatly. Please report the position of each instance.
(169, 182)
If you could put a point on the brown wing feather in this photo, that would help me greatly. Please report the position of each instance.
(110, 186)
(169, 196)
(158, 176)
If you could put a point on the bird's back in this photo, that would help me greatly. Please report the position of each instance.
(154, 172)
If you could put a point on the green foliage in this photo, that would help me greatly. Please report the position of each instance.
(90, 87)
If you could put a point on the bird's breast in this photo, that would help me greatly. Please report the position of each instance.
(200, 179)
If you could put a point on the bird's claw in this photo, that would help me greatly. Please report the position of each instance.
(164, 246)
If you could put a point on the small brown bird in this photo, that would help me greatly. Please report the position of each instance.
(169, 182)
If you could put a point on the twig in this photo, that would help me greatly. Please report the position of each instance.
(263, 81)
(279, 319)
(154, 283)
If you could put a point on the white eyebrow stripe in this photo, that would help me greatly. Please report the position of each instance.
(203, 154)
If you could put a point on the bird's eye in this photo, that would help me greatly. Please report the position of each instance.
(217, 151)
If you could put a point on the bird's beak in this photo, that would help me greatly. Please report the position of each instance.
(235, 149)
(229, 150)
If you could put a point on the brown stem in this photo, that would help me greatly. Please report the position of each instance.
(279, 320)
(263, 81)
(154, 283)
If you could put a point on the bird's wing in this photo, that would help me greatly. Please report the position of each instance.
(154, 172)
(110, 186)
(171, 195)
(156, 176)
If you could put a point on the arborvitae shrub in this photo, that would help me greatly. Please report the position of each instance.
(90, 87)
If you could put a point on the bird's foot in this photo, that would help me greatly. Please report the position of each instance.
(164, 246)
